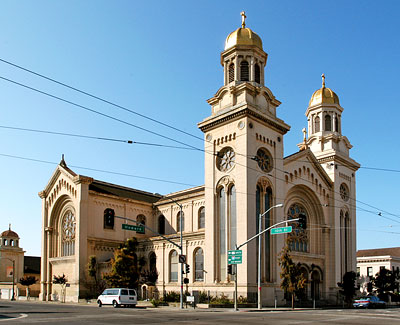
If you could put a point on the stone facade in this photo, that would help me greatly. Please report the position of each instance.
(246, 173)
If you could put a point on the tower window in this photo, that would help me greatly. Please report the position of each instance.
(161, 225)
(244, 71)
(231, 72)
(317, 124)
(328, 123)
(202, 218)
(257, 72)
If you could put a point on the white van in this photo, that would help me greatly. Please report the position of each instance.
(118, 297)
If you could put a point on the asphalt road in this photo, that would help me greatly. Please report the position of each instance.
(18, 312)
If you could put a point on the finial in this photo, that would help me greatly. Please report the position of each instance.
(243, 14)
(304, 135)
(62, 162)
(323, 80)
(9, 226)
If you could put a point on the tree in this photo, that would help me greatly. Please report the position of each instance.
(348, 287)
(62, 281)
(293, 280)
(28, 281)
(96, 286)
(385, 282)
(124, 266)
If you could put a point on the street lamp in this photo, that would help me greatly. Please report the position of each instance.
(13, 279)
(259, 250)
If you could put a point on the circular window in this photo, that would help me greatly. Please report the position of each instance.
(344, 192)
(69, 226)
(264, 160)
(226, 159)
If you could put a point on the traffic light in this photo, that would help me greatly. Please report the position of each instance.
(230, 269)
(186, 281)
(187, 268)
(109, 218)
(302, 221)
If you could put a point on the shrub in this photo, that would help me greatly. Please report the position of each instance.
(155, 302)
(172, 296)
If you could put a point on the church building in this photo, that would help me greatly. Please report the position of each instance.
(245, 174)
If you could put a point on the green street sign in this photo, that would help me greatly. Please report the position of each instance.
(139, 229)
(235, 257)
(281, 230)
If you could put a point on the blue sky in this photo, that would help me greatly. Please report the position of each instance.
(162, 59)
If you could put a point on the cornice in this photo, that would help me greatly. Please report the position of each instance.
(246, 111)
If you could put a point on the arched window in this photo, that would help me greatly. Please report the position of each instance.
(152, 262)
(317, 124)
(11, 242)
(202, 218)
(257, 73)
(173, 266)
(263, 203)
(231, 72)
(328, 123)
(178, 222)
(141, 219)
(232, 218)
(315, 284)
(161, 225)
(244, 71)
(199, 265)
(344, 239)
(222, 234)
(337, 124)
(68, 234)
(298, 238)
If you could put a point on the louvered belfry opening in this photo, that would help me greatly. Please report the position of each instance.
(257, 73)
(231, 72)
(244, 71)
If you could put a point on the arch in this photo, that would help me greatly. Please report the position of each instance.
(231, 72)
(202, 218)
(68, 231)
(305, 271)
(315, 284)
(178, 222)
(63, 204)
(244, 71)
(173, 266)
(141, 219)
(152, 262)
(199, 265)
(328, 122)
(222, 247)
(11, 242)
(161, 225)
(257, 73)
(307, 199)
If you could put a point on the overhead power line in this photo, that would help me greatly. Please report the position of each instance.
(99, 113)
(101, 99)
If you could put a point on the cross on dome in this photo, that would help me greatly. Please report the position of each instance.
(323, 80)
(243, 14)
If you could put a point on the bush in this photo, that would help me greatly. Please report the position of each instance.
(203, 297)
(155, 302)
(172, 296)
(221, 300)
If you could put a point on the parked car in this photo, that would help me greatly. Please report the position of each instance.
(369, 302)
(118, 297)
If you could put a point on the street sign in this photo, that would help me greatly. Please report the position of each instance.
(139, 229)
(235, 257)
(182, 258)
(281, 230)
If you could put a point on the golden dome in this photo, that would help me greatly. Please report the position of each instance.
(324, 95)
(243, 36)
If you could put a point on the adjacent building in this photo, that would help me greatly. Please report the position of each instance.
(245, 174)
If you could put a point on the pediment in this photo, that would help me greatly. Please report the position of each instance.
(60, 172)
(309, 158)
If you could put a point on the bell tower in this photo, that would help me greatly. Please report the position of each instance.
(332, 149)
(243, 163)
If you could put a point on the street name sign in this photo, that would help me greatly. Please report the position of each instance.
(281, 230)
(139, 229)
(235, 257)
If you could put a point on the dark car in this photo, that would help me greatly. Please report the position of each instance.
(369, 302)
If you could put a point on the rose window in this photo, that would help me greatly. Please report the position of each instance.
(344, 192)
(226, 159)
(68, 227)
(264, 160)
